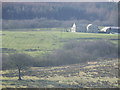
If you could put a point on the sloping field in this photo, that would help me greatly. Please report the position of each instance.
(101, 74)
(39, 42)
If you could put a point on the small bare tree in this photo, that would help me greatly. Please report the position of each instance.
(20, 61)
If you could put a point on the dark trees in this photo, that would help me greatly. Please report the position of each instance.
(57, 11)
(30, 15)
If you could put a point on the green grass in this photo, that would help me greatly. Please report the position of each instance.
(45, 41)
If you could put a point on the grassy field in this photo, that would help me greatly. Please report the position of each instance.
(39, 42)
(93, 74)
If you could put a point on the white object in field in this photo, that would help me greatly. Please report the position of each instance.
(92, 62)
(73, 29)
(88, 26)
(104, 29)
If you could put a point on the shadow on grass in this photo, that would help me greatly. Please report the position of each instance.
(36, 84)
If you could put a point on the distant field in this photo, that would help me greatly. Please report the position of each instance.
(39, 42)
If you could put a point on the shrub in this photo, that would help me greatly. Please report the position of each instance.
(72, 52)
(82, 51)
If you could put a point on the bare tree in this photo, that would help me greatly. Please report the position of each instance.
(20, 61)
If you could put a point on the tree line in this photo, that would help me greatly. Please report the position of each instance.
(57, 11)
(89, 12)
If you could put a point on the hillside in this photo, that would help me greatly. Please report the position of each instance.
(38, 42)
(101, 74)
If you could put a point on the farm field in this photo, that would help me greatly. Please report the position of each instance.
(102, 73)
(86, 75)
(37, 43)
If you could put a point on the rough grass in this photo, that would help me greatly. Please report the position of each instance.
(99, 75)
